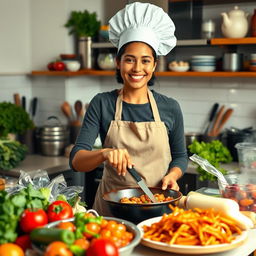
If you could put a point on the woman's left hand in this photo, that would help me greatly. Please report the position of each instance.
(170, 180)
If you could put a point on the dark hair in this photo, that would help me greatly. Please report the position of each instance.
(118, 57)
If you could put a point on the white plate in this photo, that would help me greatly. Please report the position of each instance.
(189, 249)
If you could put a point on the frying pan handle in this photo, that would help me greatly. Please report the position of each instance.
(134, 174)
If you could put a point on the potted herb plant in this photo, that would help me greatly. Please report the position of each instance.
(84, 25)
(13, 119)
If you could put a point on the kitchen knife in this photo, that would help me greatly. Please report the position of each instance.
(23, 102)
(211, 117)
(142, 184)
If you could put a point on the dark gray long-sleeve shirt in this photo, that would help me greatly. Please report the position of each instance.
(101, 112)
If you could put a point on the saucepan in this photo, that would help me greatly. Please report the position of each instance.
(139, 212)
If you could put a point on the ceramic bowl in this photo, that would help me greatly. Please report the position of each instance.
(179, 68)
(73, 65)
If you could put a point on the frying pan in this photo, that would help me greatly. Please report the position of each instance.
(139, 212)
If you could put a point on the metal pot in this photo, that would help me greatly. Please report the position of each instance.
(139, 212)
(52, 138)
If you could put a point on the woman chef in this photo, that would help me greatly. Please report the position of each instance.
(138, 127)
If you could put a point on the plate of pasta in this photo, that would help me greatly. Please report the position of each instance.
(191, 232)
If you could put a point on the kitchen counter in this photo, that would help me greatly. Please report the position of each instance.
(244, 250)
(51, 164)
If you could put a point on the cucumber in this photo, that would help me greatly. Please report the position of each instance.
(48, 235)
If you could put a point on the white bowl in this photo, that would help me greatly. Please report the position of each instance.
(203, 57)
(179, 68)
(203, 68)
(73, 65)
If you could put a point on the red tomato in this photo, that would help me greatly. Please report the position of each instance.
(59, 66)
(24, 242)
(59, 210)
(31, 219)
(50, 66)
(102, 247)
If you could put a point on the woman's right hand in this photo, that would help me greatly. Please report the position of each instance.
(118, 159)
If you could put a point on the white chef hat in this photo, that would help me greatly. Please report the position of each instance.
(143, 22)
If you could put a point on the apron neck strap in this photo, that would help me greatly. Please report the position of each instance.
(119, 106)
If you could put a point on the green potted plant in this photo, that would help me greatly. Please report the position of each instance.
(13, 119)
(84, 25)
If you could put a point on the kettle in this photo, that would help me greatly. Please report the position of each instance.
(235, 23)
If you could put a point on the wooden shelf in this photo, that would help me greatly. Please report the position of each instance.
(91, 72)
(233, 41)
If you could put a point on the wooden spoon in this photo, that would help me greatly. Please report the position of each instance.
(217, 121)
(79, 110)
(224, 119)
(67, 111)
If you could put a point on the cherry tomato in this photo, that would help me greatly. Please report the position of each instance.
(10, 249)
(31, 219)
(67, 225)
(102, 247)
(82, 243)
(59, 210)
(24, 242)
(57, 248)
(59, 66)
(92, 227)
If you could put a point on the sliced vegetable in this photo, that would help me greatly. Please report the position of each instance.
(48, 235)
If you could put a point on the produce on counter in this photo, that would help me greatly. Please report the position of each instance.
(59, 210)
(92, 234)
(48, 235)
(12, 207)
(215, 152)
(32, 218)
(11, 249)
(11, 153)
(23, 207)
(56, 66)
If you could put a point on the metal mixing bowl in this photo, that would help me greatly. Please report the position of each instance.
(123, 251)
(139, 212)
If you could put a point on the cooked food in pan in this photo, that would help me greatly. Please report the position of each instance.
(144, 199)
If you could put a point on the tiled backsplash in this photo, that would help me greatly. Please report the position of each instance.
(195, 95)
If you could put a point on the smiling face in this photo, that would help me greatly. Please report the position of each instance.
(136, 65)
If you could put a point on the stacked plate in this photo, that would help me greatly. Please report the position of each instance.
(253, 62)
(203, 63)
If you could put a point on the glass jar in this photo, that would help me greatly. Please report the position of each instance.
(106, 61)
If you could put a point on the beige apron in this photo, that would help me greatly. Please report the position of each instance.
(148, 146)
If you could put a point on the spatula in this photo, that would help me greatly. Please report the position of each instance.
(142, 184)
